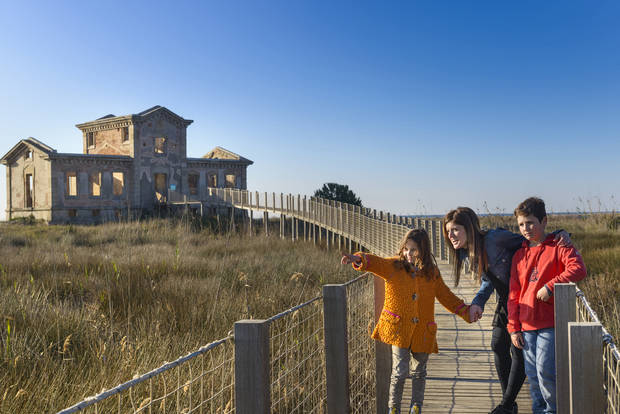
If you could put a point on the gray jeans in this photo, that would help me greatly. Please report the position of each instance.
(400, 370)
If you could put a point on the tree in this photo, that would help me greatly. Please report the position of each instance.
(338, 192)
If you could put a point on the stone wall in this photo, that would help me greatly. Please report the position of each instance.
(86, 207)
(148, 162)
(110, 142)
(39, 168)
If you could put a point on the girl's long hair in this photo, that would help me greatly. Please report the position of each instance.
(425, 260)
(478, 263)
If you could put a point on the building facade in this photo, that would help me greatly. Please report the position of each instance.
(130, 165)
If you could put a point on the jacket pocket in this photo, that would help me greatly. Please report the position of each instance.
(389, 326)
(430, 335)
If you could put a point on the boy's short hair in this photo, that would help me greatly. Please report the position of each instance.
(532, 206)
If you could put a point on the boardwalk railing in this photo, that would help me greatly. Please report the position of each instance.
(318, 357)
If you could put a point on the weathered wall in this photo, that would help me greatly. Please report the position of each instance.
(40, 169)
(107, 205)
(204, 169)
(149, 163)
(110, 142)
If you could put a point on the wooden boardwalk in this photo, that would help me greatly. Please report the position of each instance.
(461, 377)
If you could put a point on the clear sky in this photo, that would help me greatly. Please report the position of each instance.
(418, 106)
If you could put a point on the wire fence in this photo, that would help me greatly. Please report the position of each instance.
(200, 382)
(611, 355)
(360, 323)
(297, 359)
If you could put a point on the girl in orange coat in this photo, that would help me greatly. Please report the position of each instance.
(407, 322)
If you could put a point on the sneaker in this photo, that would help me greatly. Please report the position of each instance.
(415, 409)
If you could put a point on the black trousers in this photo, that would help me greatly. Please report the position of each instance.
(509, 361)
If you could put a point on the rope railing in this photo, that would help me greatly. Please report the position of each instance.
(200, 382)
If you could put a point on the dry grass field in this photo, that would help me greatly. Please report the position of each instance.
(86, 308)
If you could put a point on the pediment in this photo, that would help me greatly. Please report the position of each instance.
(219, 153)
(24, 145)
(109, 121)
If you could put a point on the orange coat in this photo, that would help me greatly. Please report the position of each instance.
(408, 316)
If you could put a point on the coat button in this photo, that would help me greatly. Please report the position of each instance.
(414, 296)
(415, 320)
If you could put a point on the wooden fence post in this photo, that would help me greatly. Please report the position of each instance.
(336, 348)
(565, 311)
(586, 367)
(442, 241)
(252, 372)
(433, 237)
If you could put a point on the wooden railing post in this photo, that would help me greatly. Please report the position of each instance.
(433, 237)
(252, 372)
(586, 367)
(336, 348)
(565, 312)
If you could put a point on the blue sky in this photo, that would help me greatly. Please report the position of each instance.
(418, 106)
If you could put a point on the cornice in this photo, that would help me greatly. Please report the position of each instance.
(106, 124)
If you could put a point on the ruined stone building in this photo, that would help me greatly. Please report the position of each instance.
(130, 165)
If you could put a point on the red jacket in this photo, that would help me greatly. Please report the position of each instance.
(535, 267)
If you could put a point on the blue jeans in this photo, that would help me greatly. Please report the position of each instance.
(539, 354)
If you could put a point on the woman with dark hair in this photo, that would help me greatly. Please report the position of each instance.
(489, 255)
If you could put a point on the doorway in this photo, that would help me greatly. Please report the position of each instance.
(161, 187)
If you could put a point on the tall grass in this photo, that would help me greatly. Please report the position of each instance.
(86, 308)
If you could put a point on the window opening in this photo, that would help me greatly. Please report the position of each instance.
(192, 180)
(118, 183)
(160, 145)
(95, 184)
(230, 180)
(29, 190)
(72, 184)
(212, 180)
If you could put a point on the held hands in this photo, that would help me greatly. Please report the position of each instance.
(350, 258)
(563, 239)
(517, 339)
(475, 313)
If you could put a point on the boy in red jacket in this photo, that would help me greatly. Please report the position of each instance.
(536, 267)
